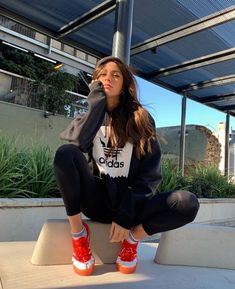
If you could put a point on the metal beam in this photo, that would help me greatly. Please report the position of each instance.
(227, 107)
(72, 63)
(210, 104)
(193, 97)
(199, 62)
(24, 21)
(201, 24)
(215, 98)
(219, 81)
(21, 20)
(123, 30)
(95, 13)
(226, 152)
(182, 135)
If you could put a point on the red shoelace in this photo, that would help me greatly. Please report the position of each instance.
(82, 250)
(128, 251)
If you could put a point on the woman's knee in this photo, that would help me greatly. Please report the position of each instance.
(187, 203)
(65, 154)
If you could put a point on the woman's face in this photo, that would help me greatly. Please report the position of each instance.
(112, 80)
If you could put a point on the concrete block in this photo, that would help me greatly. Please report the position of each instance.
(54, 247)
(198, 245)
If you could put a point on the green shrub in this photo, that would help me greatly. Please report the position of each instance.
(207, 182)
(26, 172)
(9, 171)
(171, 180)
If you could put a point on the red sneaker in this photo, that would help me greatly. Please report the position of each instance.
(83, 261)
(127, 258)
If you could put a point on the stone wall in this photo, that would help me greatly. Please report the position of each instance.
(29, 126)
(201, 146)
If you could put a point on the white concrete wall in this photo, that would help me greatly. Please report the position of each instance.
(215, 210)
(5, 84)
(31, 126)
(22, 219)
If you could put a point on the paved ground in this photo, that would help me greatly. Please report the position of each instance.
(16, 272)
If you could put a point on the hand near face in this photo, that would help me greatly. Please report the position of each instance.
(117, 233)
(94, 80)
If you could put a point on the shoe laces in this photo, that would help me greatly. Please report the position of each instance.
(82, 250)
(128, 251)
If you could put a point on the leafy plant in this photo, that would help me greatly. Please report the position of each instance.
(55, 96)
(171, 180)
(36, 166)
(22, 63)
(169, 176)
(26, 172)
(47, 88)
(9, 172)
(208, 182)
(205, 182)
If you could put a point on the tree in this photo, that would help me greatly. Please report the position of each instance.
(47, 90)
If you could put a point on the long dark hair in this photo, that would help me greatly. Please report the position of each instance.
(129, 120)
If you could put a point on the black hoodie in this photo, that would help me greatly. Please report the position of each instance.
(129, 181)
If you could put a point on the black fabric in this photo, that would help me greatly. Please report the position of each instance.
(83, 192)
(144, 175)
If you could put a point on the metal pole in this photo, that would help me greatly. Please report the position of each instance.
(49, 41)
(226, 151)
(182, 135)
(123, 30)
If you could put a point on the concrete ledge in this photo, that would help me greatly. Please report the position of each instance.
(32, 202)
(54, 244)
(215, 210)
(198, 245)
(22, 219)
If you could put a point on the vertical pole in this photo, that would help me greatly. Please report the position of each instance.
(49, 42)
(226, 151)
(123, 30)
(182, 135)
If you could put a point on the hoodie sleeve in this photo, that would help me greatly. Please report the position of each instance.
(144, 185)
(82, 130)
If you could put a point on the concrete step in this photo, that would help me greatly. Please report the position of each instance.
(53, 246)
(198, 245)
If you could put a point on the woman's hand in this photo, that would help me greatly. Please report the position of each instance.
(93, 80)
(117, 233)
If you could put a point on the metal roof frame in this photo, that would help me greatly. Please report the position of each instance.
(63, 31)
(229, 79)
(203, 61)
(27, 22)
(210, 21)
(216, 98)
(95, 13)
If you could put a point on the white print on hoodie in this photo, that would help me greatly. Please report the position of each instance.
(118, 163)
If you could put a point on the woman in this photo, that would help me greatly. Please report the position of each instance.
(120, 138)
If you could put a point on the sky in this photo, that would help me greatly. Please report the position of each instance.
(165, 107)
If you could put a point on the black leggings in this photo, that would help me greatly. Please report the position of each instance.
(82, 192)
